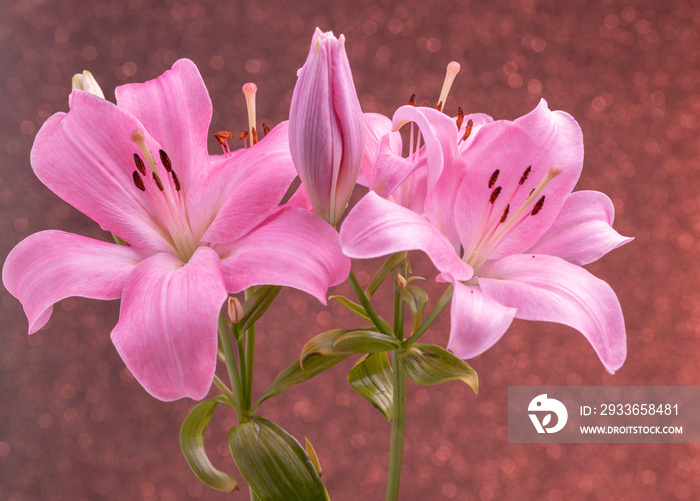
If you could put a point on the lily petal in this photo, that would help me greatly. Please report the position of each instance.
(376, 227)
(376, 126)
(85, 156)
(476, 320)
(167, 329)
(176, 109)
(293, 248)
(582, 233)
(243, 191)
(547, 288)
(53, 265)
(540, 139)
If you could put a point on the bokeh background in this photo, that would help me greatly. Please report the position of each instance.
(75, 425)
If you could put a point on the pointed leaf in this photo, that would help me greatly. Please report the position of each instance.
(273, 463)
(416, 299)
(352, 306)
(256, 304)
(295, 374)
(371, 377)
(192, 445)
(311, 452)
(347, 342)
(428, 364)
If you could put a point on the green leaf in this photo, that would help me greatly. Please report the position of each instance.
(295, 374)
(371, 377)
(428, 364)
(416, 299)
(192, 445)
(311, 452)
(383, 272)
(352, 307)
(273, 463)
(347, 342)
(256, 304)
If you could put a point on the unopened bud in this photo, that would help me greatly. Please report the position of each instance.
(400, 281)
(85, 81)
(235, 309)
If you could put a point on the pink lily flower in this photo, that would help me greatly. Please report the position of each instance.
(198, 226)
(327, 127)
(502, 225)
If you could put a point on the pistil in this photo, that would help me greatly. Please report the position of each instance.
(249, 89)
(452, 70)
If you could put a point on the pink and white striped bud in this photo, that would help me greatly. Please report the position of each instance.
(326, 127)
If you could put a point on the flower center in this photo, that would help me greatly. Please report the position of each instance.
(167, 206)
(494, 227)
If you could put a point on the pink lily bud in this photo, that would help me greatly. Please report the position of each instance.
(326, 127)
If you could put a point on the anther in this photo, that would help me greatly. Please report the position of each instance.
(138, 181)
(412, 100)
(243, 135)
(159, 183)
(525, 175)
(176, 181)
(254, 136)
(139, 164)
(249, 89)
(425, 104)
(494, 194)
(538, 206)
(165, 160)
(266, 128)
(468, 129)
(494, 178)
(139, 138)
(222, 136)
(460, 117)
(438, 106)
(505, 213)
(452, 70)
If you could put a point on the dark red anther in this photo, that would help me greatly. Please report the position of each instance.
(538, 206)
(494, 194)
(460, 117)
(243, 135)
(165, 160)
(412, 100)
(254, 134)
(138, 181)
(505, 214)
(438, 106)
(424, 105)
(494, 178)
(468, 129)
(266, 128)
(222, 136)
(176, 181)
(139, 164)
(525, 175)
(159, 183)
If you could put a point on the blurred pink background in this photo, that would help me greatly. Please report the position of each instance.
(75, 425)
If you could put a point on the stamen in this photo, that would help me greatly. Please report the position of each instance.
(176, 181)
(222, 138)
(138, 137)
(266, 129)
(452, 70)
(412, 100)
(460, 117)
(249, 89)
(138, 181)
(424, 105)
(494, 178)
(254, 138)
(468, 129)
(494, 195)
(525, 175)
(505, 213)
(243, 135)
(438, 106)
(538, 206)
(159, 183)
(139, 164)
(165, 160)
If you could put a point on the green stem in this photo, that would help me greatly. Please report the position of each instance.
(240, 343)
(249, 357)
(441, 304)
(224, 389)
(398, 414)
(367, 305)
(232, 370)
(398, 426)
